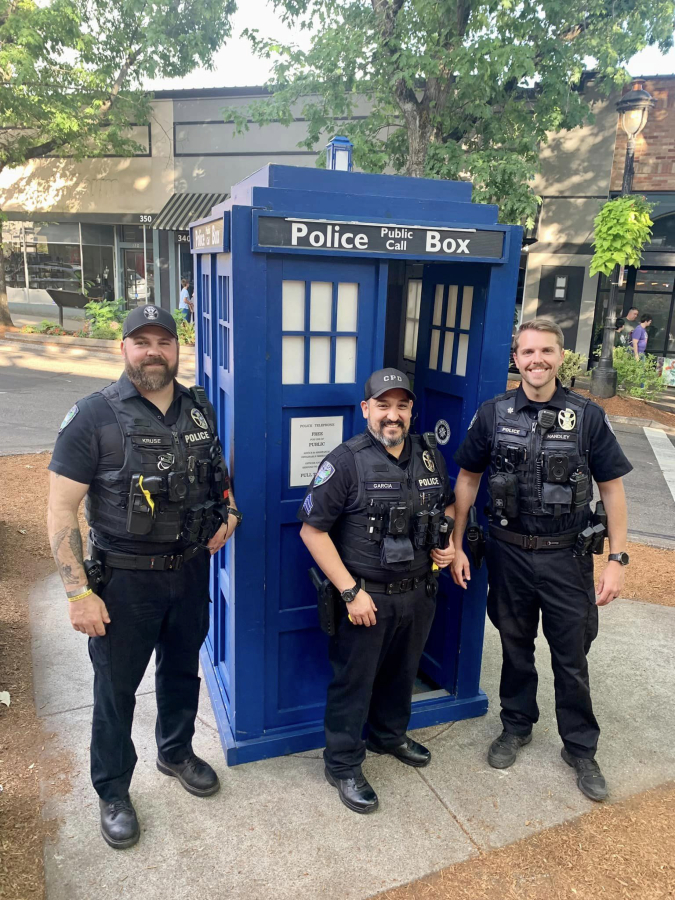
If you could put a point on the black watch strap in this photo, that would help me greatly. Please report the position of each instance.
(236, 513)
(622, 558)
(350, 593)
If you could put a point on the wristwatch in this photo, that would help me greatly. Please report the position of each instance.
(622, 558)
(350, 593)
(231, 511)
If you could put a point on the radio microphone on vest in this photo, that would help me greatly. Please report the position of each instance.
(546, 419)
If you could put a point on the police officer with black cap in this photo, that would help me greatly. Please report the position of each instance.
(543, 445)
(146, 454)
(371, 520)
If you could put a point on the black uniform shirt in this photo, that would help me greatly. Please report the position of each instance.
(330, 499)
(606, 459)
(77, 452)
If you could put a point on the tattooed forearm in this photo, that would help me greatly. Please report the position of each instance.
(68, 556)
(75, 541)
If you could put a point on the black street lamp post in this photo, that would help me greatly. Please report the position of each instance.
(634, 109)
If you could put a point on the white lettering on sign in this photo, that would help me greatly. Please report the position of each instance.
(210, 235)
(334, 237)
(449, 245)
(311, 441)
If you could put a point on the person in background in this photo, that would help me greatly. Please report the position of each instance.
(620, 338)
(639, 337)
(185, 303)
(630, 321)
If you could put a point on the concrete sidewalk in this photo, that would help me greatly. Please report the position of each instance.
(278, 829)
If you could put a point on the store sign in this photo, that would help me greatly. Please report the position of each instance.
(363, 238)
(212, 237)
(311, 441)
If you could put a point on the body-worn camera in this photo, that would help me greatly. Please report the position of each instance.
(558, 469)
(399, 522)
(177, 487)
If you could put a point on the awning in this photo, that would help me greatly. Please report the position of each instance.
(182, 209)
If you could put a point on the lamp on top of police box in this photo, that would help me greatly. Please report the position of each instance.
(633, 109)
(339, 154)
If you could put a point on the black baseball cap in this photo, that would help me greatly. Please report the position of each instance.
(387, 380)
(149, 315)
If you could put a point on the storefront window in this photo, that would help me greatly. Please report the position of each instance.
(12, 239)
(98, 272)
(53, 266)
(663, 232)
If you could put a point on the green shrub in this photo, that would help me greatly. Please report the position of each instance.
(573, 365)
(46, 326)
(637, 377)
(104, 319)
(186, 330)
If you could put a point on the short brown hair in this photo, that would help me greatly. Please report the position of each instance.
(540, 324)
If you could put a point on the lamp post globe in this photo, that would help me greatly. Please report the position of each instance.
(633, 109)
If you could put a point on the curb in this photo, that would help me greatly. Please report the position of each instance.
(54, 340)
(641, 423)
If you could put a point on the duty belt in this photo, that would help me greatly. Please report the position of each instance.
(391, 587)
(145, 563)
(534, 541)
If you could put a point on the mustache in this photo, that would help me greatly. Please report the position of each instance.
(387, 422)
(154, 362)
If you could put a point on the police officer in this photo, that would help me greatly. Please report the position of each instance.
(371, 521)
(146, 454)
(542, 445)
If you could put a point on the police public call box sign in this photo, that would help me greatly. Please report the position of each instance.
(366, 238)
(212, 237)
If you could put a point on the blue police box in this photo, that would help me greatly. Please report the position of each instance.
(308, 280)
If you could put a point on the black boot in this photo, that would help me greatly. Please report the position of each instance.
(590, 779)
(196, 776)
(355, 793)
(119, 825)
(504, 750)
(409, 752)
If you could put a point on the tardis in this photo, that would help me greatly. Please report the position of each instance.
(307, 280)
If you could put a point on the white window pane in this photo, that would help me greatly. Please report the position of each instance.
(321, 306)
(347, 307)
(433, 350)
(319, 360)
(414, 293)
(345, 360)
(561, 281)
(452, 306)
(462, 351)
(447, 351)
(560, 293)
(409, 342)
(438, 304)
(293, 306)
(417, 328)
(467, 303)
(292, 360)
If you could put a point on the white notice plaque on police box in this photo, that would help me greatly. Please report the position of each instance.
(312, 440)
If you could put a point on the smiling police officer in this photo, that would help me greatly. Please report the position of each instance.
(542, 445)
(146, 454)
(372, 519)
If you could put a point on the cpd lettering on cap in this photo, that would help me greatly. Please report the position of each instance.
(391, 378)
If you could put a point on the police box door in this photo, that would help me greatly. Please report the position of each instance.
(446, 384)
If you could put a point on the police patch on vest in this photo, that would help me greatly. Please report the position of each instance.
(326, 471)
(69, 416)
(508, 429)
(383, 485)
(567, 419)
(165, 461)
(198, 418)
(560, 436)
(197, 437)
(608, 423)
(428, 461)
(150, 441)
(442, 432)
(308, 504)
(429, 482)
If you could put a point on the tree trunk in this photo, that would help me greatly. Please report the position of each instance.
(5, 317)
(419, 135)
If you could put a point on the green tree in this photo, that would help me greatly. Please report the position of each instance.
(71, 72)
(457, 88)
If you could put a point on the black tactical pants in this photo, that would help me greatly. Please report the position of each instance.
(374, 672)
(521, 583)
(167, 612)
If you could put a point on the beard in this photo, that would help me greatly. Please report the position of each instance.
(378, 433)
(151, 381)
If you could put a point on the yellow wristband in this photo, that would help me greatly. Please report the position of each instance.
(80, 596)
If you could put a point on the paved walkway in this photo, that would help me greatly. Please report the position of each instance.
(276, 829)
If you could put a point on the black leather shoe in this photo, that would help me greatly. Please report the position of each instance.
(504, 750)
(119, 825)
(590, 779)
(409, 752)
(355, 793)
(196, 776)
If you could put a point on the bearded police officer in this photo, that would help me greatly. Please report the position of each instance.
(372, 519)
(543, 445)
(146, 454)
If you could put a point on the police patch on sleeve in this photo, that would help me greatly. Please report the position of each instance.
(609, 424)
(70, 415)
(326, 471)
(308, 504)
(475, 416)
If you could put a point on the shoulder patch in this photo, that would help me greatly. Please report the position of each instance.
(326, 471)
(475, 416)
(609, 424)
(308, 504)
(68, 418)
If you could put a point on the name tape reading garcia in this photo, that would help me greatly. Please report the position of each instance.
(352, 237)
